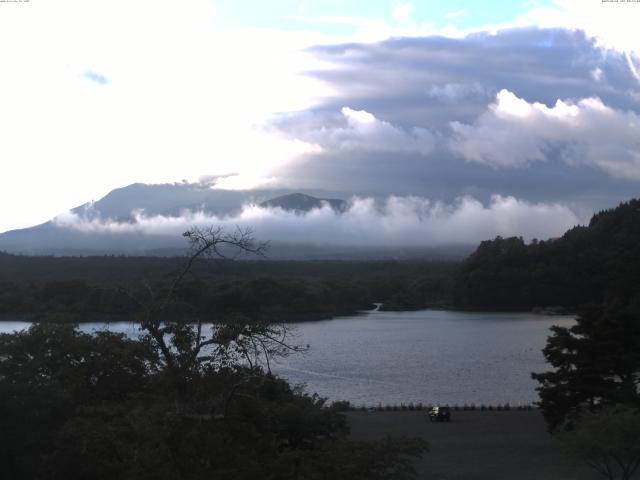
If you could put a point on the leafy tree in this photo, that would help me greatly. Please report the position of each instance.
(76, 406)
(47, 373)
(596, 362)
(607, 440)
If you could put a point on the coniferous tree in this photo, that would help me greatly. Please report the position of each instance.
(596, 362)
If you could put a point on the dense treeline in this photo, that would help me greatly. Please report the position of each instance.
(94, 288)
(586, 265)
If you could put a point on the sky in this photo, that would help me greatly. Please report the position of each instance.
(507, 107)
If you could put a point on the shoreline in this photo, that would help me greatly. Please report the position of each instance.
(308, 317)
(347, 407)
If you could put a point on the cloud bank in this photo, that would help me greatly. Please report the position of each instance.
(396, 221)
(516, 133)
(361, 131)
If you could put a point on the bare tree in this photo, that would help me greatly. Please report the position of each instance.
(184, 345)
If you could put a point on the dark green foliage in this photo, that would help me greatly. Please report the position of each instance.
(77, 406)
(388, 459)
(596, 363)
(586, 265)
(342, 406)
(97, 288)
(49, 372)
(607, 440)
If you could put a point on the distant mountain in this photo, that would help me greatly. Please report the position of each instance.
(170, 200)
(120, 205)
(58, 237)
(299, 202)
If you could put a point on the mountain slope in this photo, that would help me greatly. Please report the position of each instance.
(110, 225)
(588, 264)
(171, 200)
(299, 202)
(120, 205)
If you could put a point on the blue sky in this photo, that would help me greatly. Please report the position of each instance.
(296, 14)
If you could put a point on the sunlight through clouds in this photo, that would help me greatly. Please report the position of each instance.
(514, 133)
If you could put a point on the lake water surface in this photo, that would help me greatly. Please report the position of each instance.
(427, 356)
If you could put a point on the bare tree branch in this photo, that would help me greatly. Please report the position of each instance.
(184, 346)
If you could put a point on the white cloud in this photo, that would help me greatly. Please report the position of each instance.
(515, 133)
(371, 29)
(612, 24)
(362, 131)
(402, 13)
(457, 13)
(403, 221)
(597, 74)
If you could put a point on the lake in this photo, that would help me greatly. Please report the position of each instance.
(428, 356)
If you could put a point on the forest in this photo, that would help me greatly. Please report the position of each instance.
(105, 287)
(587, 265)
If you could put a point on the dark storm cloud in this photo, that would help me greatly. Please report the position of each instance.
(396, 77)
(445, 106)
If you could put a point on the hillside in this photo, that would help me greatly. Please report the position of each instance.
(299, 202)
(588, 264)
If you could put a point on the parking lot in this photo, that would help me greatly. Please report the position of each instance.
(477, 445)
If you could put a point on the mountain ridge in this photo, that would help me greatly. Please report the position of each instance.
(85, 230)
(300, 202)
(119, 205)
(169, 200)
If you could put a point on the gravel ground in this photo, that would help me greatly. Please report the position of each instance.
(476, 445)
